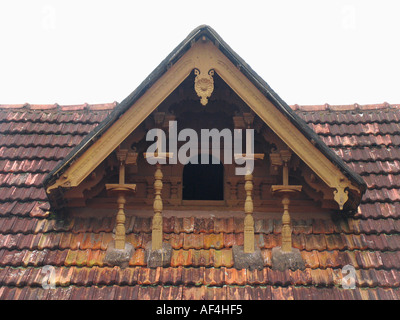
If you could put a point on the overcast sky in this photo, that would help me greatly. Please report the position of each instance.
(309, 52)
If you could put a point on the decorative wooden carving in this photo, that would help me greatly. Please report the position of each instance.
(340, 194)
(79, 194)
(204, 84)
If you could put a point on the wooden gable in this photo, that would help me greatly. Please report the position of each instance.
(203, 75)
(205, 55)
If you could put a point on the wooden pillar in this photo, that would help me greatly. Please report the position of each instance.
(285, 192)
(248, 246)
(121, 190)
(158, 156)
(120, 233)
(248, 220)
(157, 235)
(286, 228)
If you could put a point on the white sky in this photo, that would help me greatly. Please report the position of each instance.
(309, 52)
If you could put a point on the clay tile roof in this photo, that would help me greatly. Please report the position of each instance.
(33, 139)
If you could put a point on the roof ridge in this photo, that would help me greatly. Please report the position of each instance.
(71, 107)
(344, 107)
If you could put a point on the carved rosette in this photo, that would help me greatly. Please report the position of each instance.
(204, 85)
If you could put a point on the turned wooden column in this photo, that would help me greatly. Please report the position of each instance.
(157, 235)
(248, 220)
(286, 228)
(246, 121)
(120, 231)
(156, 229)
(286, 191)
(121, 190)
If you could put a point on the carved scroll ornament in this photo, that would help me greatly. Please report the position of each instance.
(204, 85)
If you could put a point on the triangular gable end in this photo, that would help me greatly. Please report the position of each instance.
(206, 55)
(205, 52)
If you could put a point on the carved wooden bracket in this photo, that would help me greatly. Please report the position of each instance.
(340, 194)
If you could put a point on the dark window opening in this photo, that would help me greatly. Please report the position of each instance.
(203, 181)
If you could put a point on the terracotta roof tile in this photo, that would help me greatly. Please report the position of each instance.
(194, 293)
(334, 242)
(279, 278)
(34, 137)
(233, 239)
(137, 258)
(315, 242)
(235, 277)
(267, 241)
(237, 293)
(176, 240)
(213, 240)
(388, 260)
(196, 276)
(148, 276)
(172, 276)
(192, 241)
(259, 293)
(215, 276)
(322, 277)
(280, 293)
(171, 293)
(301, 277)
(310, 259)
(258, 277)
(377, 167)
(393, 242)
(266, 254)
(357, 141)
(128, 276)
(330, 259)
